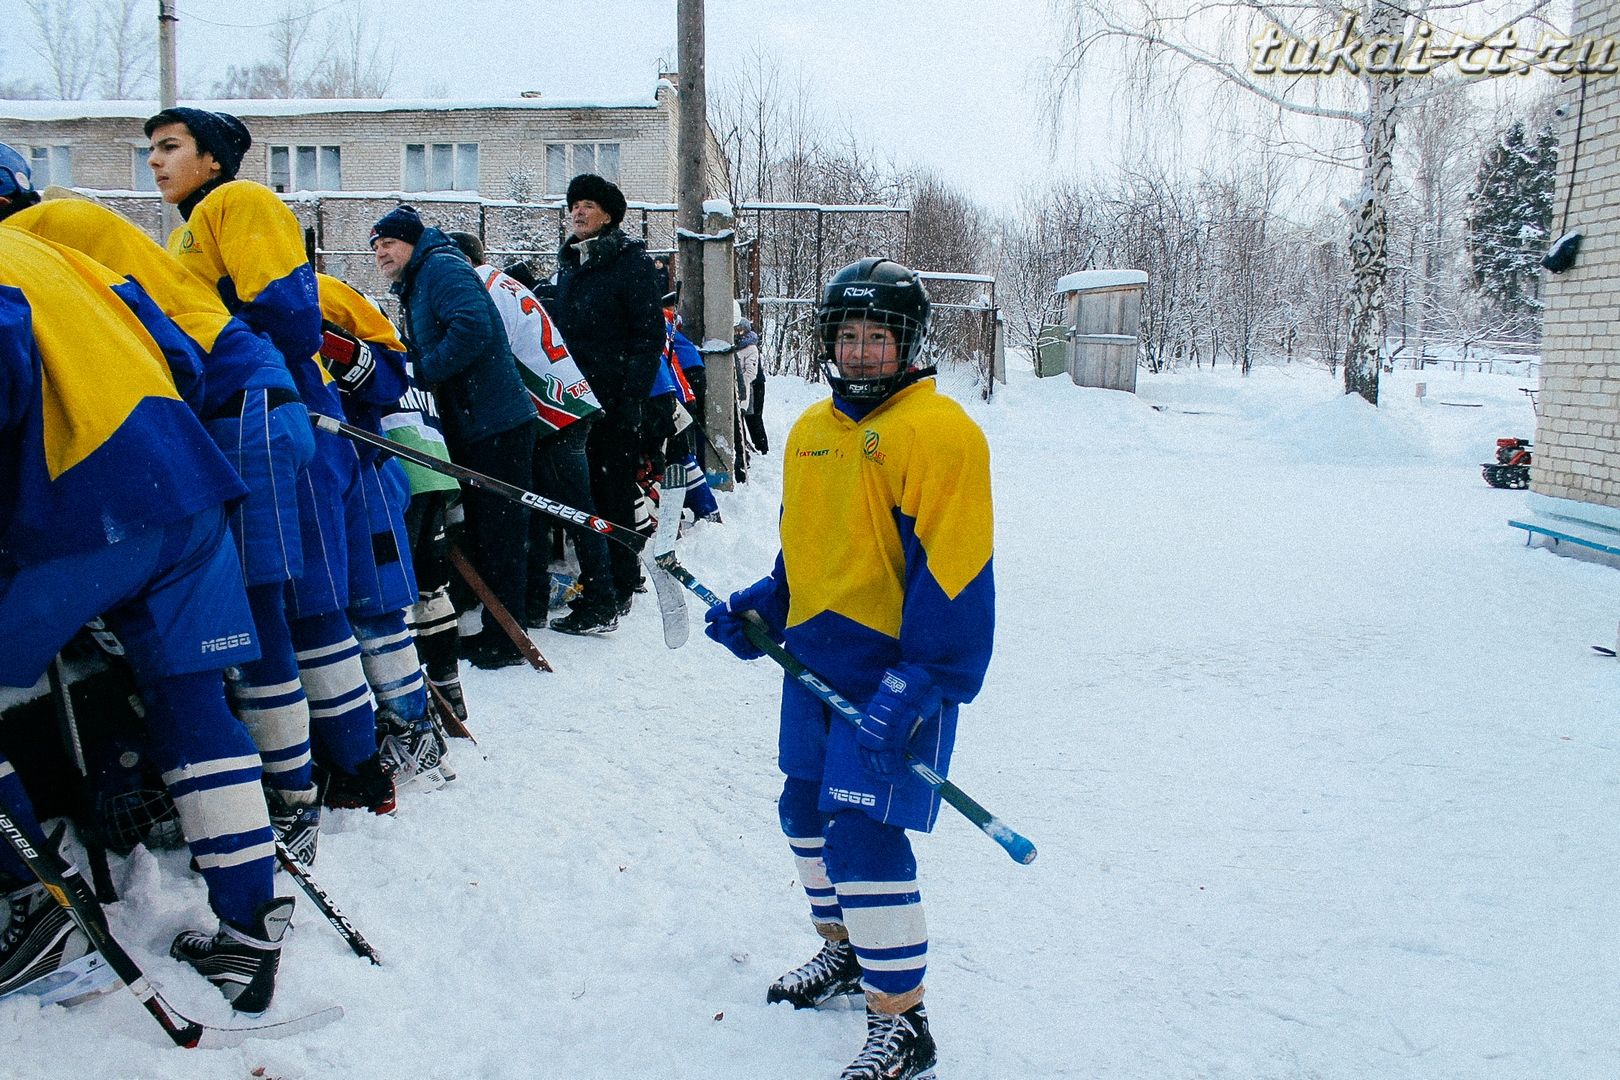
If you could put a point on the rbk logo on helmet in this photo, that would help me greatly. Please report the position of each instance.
(853, 293)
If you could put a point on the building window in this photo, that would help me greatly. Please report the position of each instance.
(306, 168)
(441, 167)
(51, 165)
(564, 161)
(140, 172)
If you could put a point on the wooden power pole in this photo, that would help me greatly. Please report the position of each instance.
(691, 176)
(168, 86)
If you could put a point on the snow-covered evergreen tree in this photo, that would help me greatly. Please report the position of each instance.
(1510, 223)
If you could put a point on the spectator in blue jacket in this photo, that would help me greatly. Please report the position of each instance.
(460, 352)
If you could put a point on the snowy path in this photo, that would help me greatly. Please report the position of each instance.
(1321, 770)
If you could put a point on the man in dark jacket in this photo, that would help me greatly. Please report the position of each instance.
(609, 310)
(460, 352)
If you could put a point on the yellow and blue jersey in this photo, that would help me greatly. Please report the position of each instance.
(345, 306)
(886, 533)
(235, 358)
(412, 416)
(243, 242)
(96, 441)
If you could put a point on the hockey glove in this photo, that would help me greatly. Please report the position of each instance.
(346, 358)
(725, 621)
(903, 698)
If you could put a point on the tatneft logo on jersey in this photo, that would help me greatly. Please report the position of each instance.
(229, 641)
(869, 447)
(857, 292)
(854, 798)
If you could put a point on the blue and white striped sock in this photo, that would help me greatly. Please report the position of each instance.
(342, 722)
(388, 655)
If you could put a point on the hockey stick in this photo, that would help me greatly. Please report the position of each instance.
(453, 725)
(62, 880)
(67, 718)
(1016, 845)
(492, 604)
(317, 896)
(671, 604)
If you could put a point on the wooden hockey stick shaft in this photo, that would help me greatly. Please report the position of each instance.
(520, 637)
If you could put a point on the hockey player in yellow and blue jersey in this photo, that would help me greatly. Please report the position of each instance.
(242, 241)
(252, 409)
(884, 586)
(112, 503)
(365, 357)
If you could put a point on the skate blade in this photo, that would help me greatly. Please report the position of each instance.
(424, 780)
(87, 977)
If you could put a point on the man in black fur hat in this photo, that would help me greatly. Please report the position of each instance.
(609, 310)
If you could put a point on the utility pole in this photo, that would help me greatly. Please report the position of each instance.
(691, 177)
(168, 86)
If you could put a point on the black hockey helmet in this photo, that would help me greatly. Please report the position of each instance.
(879, 291)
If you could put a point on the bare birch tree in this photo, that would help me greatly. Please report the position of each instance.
(1284, 54)
(128, 47)
(66, 43)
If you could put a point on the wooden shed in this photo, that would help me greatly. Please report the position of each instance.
(1101, 314)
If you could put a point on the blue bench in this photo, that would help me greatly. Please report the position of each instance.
(1532, 530)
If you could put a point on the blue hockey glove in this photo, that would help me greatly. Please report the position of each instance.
(903, 697)
(725, 622)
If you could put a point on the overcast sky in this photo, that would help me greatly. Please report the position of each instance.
(953, 85)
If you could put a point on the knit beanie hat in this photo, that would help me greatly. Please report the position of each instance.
(400, 223)
(603, 193)
(217, 133)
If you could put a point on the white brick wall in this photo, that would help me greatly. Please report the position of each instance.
(1577, 452)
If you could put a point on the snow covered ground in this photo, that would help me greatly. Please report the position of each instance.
(1320, 766)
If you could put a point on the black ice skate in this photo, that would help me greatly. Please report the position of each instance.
(296, 818)
(44, 953)
(242, 965)
(370, 787)
(898, 1047)
(832, 972)
(413, 754)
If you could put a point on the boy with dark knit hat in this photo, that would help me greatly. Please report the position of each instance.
(242, 240)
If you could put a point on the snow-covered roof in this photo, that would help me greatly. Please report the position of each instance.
(819, 206)
(88, 110)
(1082, 280)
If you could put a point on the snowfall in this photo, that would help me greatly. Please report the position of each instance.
(1320, 765)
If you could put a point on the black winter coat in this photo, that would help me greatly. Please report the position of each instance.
(610, 311)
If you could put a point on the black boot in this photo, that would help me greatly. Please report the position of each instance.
(587, 619)
(491, 649)
(832, 972)
(242, 964)
(898, 1047)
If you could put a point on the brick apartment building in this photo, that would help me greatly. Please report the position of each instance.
(342, 163)
(1576, 474)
